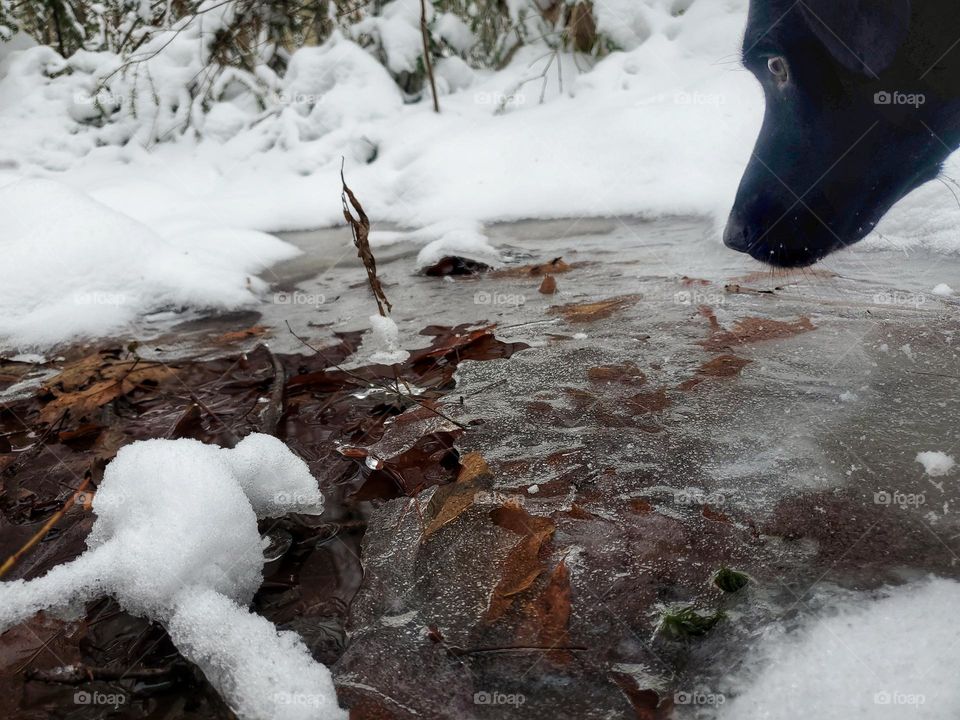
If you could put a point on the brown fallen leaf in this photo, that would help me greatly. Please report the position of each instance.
(588, 312)
(751, 330)
(447, 504)
(555, 267)
(549, 614)
(723, 366)
(95, 380)
(626, 373)
(523, 564)
(651, 402)
(455, 265)
(549, 285)
(640, 507)
(710, 514)
(240, 335)
(472, 466)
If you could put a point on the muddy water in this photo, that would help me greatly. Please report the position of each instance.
(714, 414)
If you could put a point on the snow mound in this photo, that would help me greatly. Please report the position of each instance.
(176, 540)
(75, 268)
(936, 463)
(890, 658)
(943, 290)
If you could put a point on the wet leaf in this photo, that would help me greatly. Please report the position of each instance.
(472, 466)
(93, 381)
(241, 335)
(752, 329)
(447, 504)
(548, 286)
(523, 565)
(455, 265)
(588, 312)
(627, 373)
(555, 267)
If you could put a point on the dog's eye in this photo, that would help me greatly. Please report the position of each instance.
(779, 69)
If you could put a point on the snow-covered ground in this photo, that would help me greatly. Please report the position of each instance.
(663, 127)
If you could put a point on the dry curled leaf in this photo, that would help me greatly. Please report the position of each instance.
(95, 380)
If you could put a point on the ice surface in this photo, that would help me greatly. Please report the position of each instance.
(176, 540)
(892, 657)
(936, 463)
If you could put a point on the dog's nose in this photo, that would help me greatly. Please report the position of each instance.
(735, 235)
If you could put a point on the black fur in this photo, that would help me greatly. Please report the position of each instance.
(833, 154)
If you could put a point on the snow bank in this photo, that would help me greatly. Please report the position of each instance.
(73, 267)
(894, 658)
(176, 540)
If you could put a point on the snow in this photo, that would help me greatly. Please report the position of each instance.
(175, 539)
(891, 657)
(936, 463)
(943, 290)
(73, 267)
(382, 345)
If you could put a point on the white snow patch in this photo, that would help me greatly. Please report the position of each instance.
(176, 540)
(884, 659)
(943, 290)
(936, 463)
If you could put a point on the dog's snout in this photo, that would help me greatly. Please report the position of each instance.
(735, 234)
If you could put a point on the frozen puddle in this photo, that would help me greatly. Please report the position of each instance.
(677, 412)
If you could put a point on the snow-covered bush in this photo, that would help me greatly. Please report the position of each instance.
(157, 70)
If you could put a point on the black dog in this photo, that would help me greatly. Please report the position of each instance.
(862, 107)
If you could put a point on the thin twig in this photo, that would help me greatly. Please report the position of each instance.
(42, 532)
